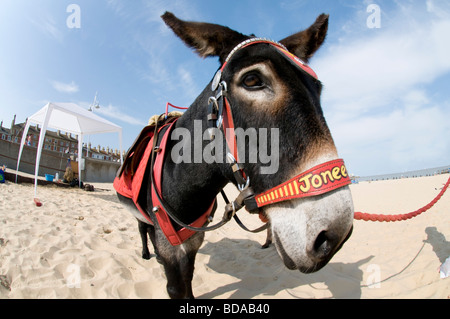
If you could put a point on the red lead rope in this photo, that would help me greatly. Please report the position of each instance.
(300, 186)
(400, 217)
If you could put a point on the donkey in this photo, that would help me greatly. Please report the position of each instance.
(264, 90)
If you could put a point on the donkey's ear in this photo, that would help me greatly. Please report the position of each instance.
(207, 39)
(305, 43)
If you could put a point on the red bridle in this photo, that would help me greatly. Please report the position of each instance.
(281, 48)
(317, 180)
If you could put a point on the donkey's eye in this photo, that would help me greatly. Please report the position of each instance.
(252, 81)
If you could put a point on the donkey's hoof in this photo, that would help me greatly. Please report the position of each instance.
(146, 255)
(266, 245)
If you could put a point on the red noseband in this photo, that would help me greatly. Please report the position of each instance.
(318, 180)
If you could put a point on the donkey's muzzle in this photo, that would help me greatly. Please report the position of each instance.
(327, 243)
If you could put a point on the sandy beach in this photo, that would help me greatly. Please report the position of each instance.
(86, 245)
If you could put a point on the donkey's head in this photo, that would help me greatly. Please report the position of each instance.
(267, 90)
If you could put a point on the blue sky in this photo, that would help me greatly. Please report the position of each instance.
(386, 90)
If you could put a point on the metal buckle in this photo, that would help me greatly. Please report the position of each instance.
(213, 100)
(233, 204)
(243, 187)
(223, 89)
(213, 109)
(231, 160)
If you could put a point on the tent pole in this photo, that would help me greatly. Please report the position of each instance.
(48, 112)
(120, 145)
(22, 143)
(80, 156)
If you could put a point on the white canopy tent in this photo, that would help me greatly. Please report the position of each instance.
(70, 118)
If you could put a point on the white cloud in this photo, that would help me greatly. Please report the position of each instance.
(390, 63)
(65, 87)
(49, 27)
(438, 7)
(115, 112)
(191, 90)
(411, 135)
(160, 66)
(376, 92)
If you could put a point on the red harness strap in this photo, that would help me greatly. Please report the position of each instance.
(291, 57)
(318, 180)
(228, 128)
(130, 187)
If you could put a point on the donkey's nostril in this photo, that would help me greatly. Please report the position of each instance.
(323, 245)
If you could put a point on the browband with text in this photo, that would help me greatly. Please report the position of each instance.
(318, 180)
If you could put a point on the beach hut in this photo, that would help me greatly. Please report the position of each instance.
(70, 118)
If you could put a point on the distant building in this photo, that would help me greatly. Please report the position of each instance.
(56, 141)
(101, 153)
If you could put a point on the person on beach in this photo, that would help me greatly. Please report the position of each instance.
(2, 174)
(28, 141)
(68, 175)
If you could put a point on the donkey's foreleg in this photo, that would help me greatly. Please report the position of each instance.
(178, 262)
(143, 230)
(173, 259)
(176, 287)
(151, 232)
(187, 273)
(187, 262)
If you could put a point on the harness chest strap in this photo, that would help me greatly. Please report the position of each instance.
(130, 187)
(174, 237)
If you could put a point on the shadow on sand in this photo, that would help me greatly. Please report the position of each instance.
(262, 271)
(441, 246)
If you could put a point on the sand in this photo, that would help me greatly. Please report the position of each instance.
(86, 245)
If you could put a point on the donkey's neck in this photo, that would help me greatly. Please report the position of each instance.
(190, 186)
